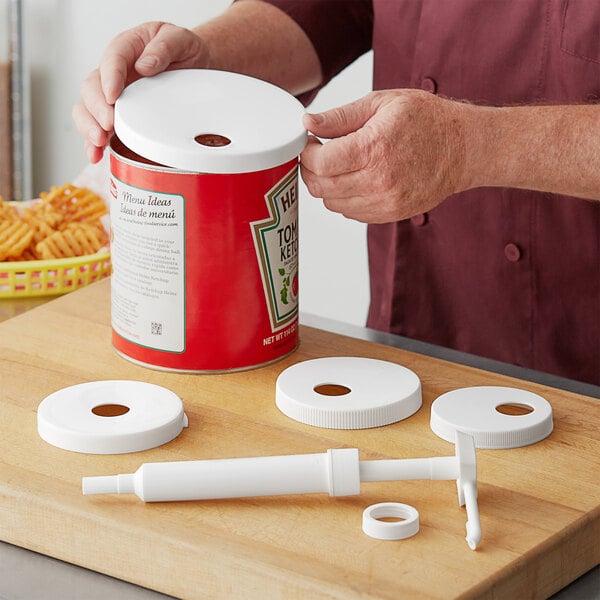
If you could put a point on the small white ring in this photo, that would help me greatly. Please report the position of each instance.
(390, 530)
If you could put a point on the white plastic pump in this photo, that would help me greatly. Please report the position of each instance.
(338, 472)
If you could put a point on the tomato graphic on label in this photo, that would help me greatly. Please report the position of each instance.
(286, 282)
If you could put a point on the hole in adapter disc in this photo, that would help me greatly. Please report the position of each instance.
(110, 410)
(214, 140)
(514, 410)
(332, 389)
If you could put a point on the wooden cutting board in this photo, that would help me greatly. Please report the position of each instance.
(540, 505)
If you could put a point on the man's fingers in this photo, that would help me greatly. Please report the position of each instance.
(344, 127)
(145, 51)
(346, 185)
(340, 121)
(335, 157)
(94, 101)
(88, 127)
(166, 47)
(117, 65)
(93, 153)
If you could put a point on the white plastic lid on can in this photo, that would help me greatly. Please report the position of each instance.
(111, 417)
(210, 121)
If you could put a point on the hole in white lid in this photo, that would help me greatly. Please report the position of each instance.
(514, 409)
(331, 389)
(213, 140)
(110, 410)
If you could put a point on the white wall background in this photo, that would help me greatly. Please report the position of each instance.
(64, 40)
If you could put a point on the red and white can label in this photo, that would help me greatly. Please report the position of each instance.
(205, 266)
(276, 242)
(148, 283)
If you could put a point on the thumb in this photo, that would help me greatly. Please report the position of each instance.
(169, 44)
(340, 121)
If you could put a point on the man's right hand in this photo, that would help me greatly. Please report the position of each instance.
(143, 51)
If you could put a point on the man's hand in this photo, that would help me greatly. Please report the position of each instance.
(142, 51)
(397, 153)
(250, 37)
(391, 155)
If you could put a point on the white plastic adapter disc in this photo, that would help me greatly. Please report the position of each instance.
(110, 417)
(487, 413)
(348, 392)
(165, 117)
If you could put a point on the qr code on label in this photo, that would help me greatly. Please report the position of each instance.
(155, 328)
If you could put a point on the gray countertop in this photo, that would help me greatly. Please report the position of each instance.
(26, 575)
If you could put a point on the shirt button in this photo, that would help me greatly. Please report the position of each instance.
(429, 85)
(512, 252)
(419, 220)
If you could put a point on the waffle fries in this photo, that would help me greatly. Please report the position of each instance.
(64, 223)
(8, 213)
(15, 237)
(77, 239)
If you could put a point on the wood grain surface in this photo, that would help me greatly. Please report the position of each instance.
(539, 505)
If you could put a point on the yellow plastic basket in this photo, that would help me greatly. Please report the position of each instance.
(52, 277)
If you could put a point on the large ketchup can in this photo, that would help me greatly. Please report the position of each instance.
(204, 219)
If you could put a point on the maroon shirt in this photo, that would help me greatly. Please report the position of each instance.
(508, 274)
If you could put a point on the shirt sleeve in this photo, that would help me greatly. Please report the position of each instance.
(340, 30)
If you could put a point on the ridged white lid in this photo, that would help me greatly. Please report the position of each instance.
(474, 410)
(160, 118)
(378, 392)
(110, 417)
